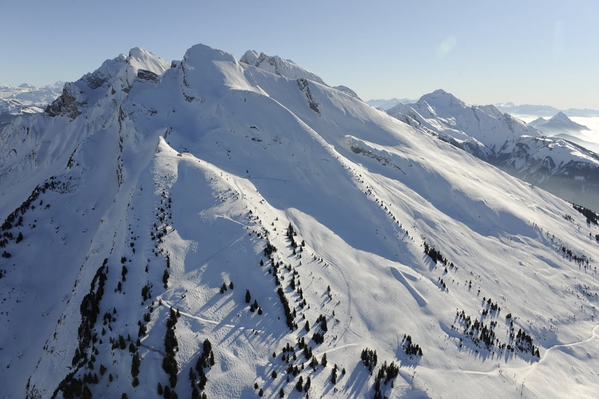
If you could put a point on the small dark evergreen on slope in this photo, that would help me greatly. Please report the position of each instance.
(435, 255)
(90, 309)
(165, 278)
(410, 348)
(205, 361)
(135, 363)
(269, 249)
(591, 216)
(291, 234)
(369, 358)
(300, 384)
(288, 314)
(169, 363)
(524, 343)
(323, 323)
(385, 374)
(479, 333)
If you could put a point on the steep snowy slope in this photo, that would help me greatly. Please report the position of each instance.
(559, 166)
(217, 229)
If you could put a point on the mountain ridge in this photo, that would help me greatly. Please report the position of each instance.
(509, 107)
(557, 165)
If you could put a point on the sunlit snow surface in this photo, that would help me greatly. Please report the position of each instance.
(218, 158)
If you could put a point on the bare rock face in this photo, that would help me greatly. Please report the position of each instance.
(147, 75)
(65, 105)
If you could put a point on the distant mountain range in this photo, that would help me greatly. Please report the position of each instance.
(509, 107)
(25, 99)
(544, 110)
(559, 166)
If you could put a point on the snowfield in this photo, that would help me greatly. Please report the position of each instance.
(154, 198)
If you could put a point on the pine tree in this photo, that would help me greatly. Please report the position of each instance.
(165, 277)
(300, 384)
(248, 297)
(307, 384)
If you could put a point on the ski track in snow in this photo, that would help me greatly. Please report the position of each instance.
(533, 366)
(164, 302)
(415, 294)
(349, 297)
(335, 349)
(520, 374)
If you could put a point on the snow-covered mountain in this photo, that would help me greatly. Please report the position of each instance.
(558, 124)
(209, 227)
(557, 165)
(25, 99)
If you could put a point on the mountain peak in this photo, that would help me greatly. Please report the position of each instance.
(441, 98)
(561, 122)
(140, 58)
(560, 116)
(539, 121)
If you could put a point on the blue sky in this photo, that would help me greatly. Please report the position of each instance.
(526, 51)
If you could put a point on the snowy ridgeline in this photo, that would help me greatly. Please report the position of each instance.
(556, 154)
(211, 228)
